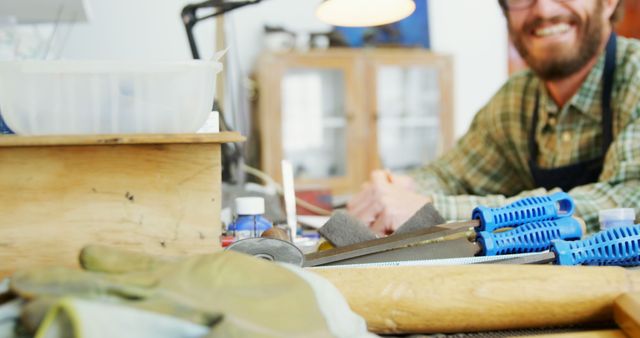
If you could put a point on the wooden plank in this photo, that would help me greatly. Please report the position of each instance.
(626, 313)
(29, 141)
(156, 198)
(471, 298)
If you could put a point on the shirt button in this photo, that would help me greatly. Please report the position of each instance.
(566, 136)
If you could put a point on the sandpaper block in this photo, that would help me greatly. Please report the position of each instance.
(343, 229)
(426, 217)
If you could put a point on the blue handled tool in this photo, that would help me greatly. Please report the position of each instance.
(618, 246)
(531, 237)
(527, 238)
(528, 210)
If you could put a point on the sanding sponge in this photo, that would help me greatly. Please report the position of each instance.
(343, 229)
(426, 217)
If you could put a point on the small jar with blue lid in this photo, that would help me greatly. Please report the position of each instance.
(250, 221)
(611, 218)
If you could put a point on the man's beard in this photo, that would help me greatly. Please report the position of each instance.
(563, 64)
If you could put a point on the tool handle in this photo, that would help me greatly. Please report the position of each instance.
(531, 237)
(616, 246)
(523, 211)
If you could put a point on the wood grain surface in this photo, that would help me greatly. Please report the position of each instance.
(626, 312)
(472, 298)
(74, 140)
(155, 197)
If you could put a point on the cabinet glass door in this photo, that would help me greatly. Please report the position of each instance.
(314, 122)
(408, 116)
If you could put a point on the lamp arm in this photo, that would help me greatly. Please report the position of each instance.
(190, 18)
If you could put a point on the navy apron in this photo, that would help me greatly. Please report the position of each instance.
(570, 176)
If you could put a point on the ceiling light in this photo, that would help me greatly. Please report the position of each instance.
(363, 13)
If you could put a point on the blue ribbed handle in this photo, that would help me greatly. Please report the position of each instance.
(530, 237)
(526, 210)
(616, 246)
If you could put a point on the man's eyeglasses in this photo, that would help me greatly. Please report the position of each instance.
(522, 4)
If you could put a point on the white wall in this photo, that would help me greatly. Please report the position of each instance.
(135, 29)
(141, 29)
(474, 33)
(247, 24)
(244, 33)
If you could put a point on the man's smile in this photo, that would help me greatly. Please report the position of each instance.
(551, 30)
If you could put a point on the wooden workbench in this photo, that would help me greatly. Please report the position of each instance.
(149, 192)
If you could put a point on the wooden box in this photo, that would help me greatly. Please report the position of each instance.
(150, 193)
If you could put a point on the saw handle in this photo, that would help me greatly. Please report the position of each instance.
(523, 211)
(615, 246)
(531, 237)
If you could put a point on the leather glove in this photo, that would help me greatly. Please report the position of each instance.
(256, 298)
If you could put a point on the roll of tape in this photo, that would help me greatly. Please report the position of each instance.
(276, 233)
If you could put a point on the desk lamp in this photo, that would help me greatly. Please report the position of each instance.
(190, 17)
(335, 12)
(349, 13)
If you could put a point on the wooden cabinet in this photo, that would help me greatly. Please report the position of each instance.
(340, 113)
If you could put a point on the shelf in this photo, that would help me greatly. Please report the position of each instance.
(57, 140)
(334, 122)
(400, 121)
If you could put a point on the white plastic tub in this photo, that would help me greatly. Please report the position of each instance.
(94, 97)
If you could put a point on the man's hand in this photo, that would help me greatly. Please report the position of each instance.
(386, 202)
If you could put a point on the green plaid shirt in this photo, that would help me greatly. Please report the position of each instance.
(488, 166)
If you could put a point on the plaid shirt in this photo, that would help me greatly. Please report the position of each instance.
(488, 166)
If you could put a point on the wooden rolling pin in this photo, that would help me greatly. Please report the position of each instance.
(626, 312)
(469, 298)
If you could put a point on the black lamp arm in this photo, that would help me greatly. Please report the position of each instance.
(190, 18)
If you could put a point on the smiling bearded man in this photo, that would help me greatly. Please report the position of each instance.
(558, 60)
(571, 122)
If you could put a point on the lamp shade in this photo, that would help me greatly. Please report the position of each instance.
(363, 13)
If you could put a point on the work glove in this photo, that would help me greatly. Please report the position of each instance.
(80, 318)
(234, 294)
(9, 314)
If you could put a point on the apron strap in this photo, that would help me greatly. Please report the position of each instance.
(607, 90)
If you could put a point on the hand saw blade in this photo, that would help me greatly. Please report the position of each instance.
(534, 258)
(428, 262)
(387, 243)
(456, 248)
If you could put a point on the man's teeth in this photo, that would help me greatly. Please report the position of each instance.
(552, 30)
